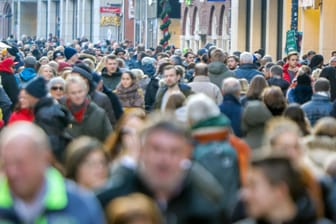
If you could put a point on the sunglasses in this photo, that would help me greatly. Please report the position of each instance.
(57, 88)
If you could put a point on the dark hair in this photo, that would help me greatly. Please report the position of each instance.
(257, 85)
(278, 170)
(169, 67)
(296, 114)
(131, 74)
(274, 100)
(175, 100)
(111, 57)
(77, 151)
(276, 70)
(322, 85)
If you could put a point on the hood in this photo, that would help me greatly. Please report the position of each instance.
(6, 65)
(217, 121)
(116, 73)
(148, 69)
(217, 68)
(256, 114)
(27, 74)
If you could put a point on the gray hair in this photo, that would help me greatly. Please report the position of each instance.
(56, 80)
(276, 70)
(200, 107)
(246, 58)
(231, 86)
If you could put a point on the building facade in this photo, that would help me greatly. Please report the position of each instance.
(206, 21)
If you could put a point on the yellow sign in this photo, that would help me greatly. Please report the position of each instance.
(110, 20)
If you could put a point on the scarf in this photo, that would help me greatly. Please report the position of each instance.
(78, 111)
(131, 96)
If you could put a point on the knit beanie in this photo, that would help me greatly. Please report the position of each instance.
(37, 87)
(303, 80)
(82, 71)
(69, 52)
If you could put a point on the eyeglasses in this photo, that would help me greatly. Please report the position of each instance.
(60, 88)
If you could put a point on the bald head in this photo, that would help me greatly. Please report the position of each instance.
(201, 69)
(24, 153)
(28, 130)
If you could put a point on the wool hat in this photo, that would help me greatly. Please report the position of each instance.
(30, 61)
(83, 72)
(37, 87)
(69, 52)
(303, 80)
(12, 51)
(57, 54)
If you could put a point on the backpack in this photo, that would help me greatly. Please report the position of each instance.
(221, 160)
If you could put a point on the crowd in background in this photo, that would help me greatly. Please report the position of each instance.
(116, 133)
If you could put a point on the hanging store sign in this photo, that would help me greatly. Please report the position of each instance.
(110, 20)
(110, 9)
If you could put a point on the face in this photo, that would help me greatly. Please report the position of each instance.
(76, 93)
(293, 61)
(190, 58)
(23, 166)
(288, 144)
(26, 101)
(162, 157)
(126, 80)
(93, 171)
(170, 77)
(47, 73)
(258, 195)
(231, 63)
(57, 91)
(111, 65)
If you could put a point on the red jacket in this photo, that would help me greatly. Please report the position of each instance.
(286, 75)
(21, 115)
(6, 65)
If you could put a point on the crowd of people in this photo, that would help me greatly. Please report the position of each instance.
(120, 134)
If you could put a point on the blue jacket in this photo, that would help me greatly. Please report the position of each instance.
(232, 108)
(247, 71)
(64, 202)
(26, 75)
(319, 106)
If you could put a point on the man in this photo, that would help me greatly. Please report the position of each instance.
(232, 62)
(185, 192)
(267, 70)
(71, 55)
(99, 98)
(231, 106)
(34, 192)
(319, 106)
(292, 66)
(111, 74)
(29, 71)
(211, 133)
(275, 193)
(202, 84)
(247, 70)
(276, 78)
(217, 69)
(172, 85)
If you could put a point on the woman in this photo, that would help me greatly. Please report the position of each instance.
(129, 92)
(301, 90)
(296, 114)
(257, 85)
(47, 72)
(274, 100)
(123, 145)
(56, 87)
(87, 163)
(28, 98)
(89, 119)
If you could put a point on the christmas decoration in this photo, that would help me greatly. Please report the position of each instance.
(166, 21)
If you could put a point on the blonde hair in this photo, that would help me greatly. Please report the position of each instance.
(134, 207)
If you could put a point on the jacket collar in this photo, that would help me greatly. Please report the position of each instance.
(56, 196)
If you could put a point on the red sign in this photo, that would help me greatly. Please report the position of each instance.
(112, 9)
